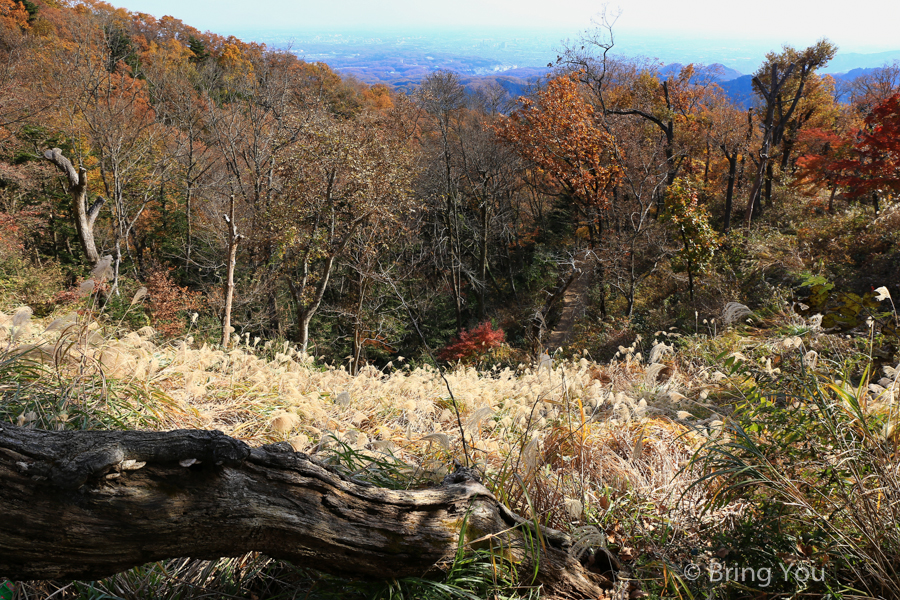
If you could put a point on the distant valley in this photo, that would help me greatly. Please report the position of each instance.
(515, 59)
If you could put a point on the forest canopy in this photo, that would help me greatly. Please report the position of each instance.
(370, 223)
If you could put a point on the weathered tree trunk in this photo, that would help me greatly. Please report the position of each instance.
(84, 216)
(87, 504)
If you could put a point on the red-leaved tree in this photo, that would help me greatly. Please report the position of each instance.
(816, 169)
(469, 345)
(875, 167)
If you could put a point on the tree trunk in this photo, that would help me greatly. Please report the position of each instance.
(357, 327)
(190, 239)
(483, 259)
(84, 216)
(305, 311)
(690, 267)
(771, 96)
(88, 504)
(729, 193)
(455, 260)
(755, 190)
(233, 238)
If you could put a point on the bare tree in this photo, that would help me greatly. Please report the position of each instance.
(85, 216)
(342, 176)
(872, 88)
(442, 97)
(781, 82)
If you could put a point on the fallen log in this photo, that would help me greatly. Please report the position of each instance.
(88, 504)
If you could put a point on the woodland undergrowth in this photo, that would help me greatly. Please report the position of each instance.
(743, 441)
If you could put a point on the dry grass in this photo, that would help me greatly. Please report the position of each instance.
(601, 450)
(571, 433)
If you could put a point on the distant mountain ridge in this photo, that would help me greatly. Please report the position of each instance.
(846, 62)
(718, 71)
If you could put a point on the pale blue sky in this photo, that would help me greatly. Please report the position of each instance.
(864, 25)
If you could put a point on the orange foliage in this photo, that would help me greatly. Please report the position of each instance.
(815, 168)
(472, 344)
(379, 97)
(865, 161)
(556, 131)
(168, 302)
(13, 15)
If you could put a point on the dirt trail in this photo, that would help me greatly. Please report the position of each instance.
(574, 301)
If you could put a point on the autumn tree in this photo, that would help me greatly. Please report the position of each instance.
(181, 89)
(636, 89)
(341, 176)
(13, 15)
(691, 222)
(556, 131)
(781, 84)
(874, 168)
(250, 126)
(573, 158)
(670, 104)
(816, 168)
(105, 110)
(14, 52)
(129, 145)
(731, 132)
(817, 108)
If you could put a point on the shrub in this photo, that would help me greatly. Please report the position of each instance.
(473, 344)
(816, 460)
(167, 300)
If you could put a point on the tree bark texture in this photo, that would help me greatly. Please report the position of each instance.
(84, 216)
(87, 504)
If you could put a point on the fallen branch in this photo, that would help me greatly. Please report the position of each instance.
(88, 504)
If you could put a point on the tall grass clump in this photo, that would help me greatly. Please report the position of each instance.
(75, 372)
(814, 460)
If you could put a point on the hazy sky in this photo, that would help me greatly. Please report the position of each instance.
(863, 25)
